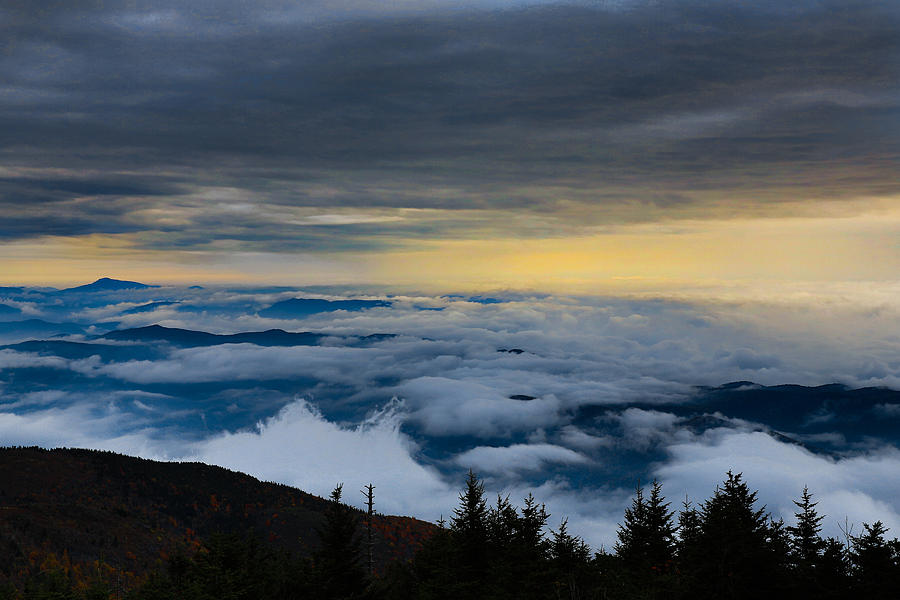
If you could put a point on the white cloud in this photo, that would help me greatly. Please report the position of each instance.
(518, 457)
(301, 448)
(444, 406)
(10, 359)
(860, 488)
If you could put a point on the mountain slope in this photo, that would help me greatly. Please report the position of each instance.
(130, 513)
(187, 338)
(106, 284)
(297, 308)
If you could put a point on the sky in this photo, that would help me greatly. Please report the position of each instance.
(486, 144)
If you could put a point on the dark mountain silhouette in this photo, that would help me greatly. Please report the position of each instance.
(105, 284)
(853, 412)
(7, 311)
(149, 307)
(475, 299)
(787, 412)
(82, 506)
(78, 350)
(37, 328)
(297, 308)
(191, 339)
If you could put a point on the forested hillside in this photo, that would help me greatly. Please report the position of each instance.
(96, 514)
(80, 524)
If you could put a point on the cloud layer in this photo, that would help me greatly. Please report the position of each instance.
(576, 399)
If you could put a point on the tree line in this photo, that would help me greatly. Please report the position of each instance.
(726, 547)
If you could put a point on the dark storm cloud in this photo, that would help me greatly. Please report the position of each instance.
(588, 113)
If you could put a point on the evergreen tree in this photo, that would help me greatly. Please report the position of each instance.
(434, 569)
(530, 530)
(469, 520)
(873, 563)
(530, 551)
(632, 533)
(806, 548)
(337, 562)
(806, 545)
(646, 544)
(469, 532)
(646, 538)
(779, 545)
(736, 560)
(688, 528)
(570, 557)
(833, 573)
(689, 551)
(502, 522)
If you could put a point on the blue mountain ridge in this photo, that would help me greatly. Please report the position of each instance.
(796, 411)
(78, 350)
(38, 328)
(8, 311)
(106, 284)
(189, 338)
(296, 308)
(149, 307)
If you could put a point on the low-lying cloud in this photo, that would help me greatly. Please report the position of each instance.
(577, 399)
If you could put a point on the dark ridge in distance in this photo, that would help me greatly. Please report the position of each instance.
(188, 338)
(295, 308)
(106, 284)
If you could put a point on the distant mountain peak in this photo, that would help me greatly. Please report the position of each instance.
(298, 308)
(106, 284)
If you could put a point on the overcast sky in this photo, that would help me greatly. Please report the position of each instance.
(371, 142)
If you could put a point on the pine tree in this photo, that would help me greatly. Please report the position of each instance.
(337, 561)
(734, 536)
(806, 549)
(806, 545)
(689, 551)
(502, 522)
(779, 546)
(570, 557)
(530, 551)
(646, 538)
(632, 533)
(873, 562)
(688, 528)
(530, 532)
(470, 517)
(469, 533)
(646, 542)
(832, 573)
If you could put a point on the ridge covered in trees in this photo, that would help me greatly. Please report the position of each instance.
(726, 546)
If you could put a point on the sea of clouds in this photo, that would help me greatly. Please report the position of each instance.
(568, 397)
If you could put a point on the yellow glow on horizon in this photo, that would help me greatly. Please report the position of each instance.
(661, 256)
(664, 255)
